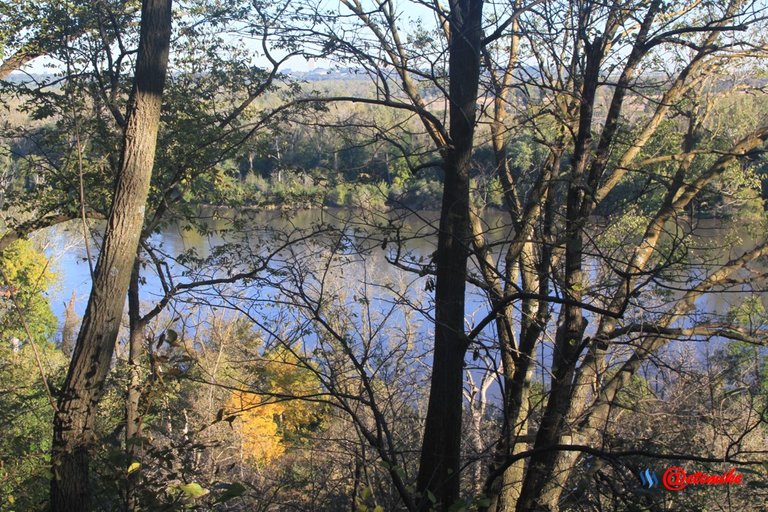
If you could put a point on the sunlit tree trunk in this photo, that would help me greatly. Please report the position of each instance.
(70, 326)
(82, 389)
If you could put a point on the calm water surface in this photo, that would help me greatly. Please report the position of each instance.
(66, 250)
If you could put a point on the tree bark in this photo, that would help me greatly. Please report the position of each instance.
(133, 430)
(571, 330)
(70, 326)
(83, 386)
(438, 479)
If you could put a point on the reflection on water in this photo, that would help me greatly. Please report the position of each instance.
(711, 243)
(67, 253)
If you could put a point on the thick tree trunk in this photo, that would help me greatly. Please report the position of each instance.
(438, 478)
(440, 456)
(90, 364)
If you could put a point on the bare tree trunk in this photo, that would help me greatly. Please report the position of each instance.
(82, 389)
(517, 359)
(133, 429)
(70, 326)
(477, 400)
(571, 330)
(439, 468)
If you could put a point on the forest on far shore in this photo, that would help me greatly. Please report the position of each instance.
(301, 164)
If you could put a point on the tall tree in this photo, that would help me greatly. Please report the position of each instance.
(90, 364)
(457, 46)
(440, 465)
(587, 67)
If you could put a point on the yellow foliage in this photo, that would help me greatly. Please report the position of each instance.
(262, 442)
(267, 424)
(24, 278)
(26, 267)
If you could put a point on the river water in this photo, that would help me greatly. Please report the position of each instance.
(66, 250)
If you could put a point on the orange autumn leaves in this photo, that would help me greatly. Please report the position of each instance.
(274, 418)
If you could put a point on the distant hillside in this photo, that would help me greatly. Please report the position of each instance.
(313, 75)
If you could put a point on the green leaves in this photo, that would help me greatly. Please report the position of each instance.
(25, 414)
(193, 490)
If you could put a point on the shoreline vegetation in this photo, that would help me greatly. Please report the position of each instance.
(300, 164)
